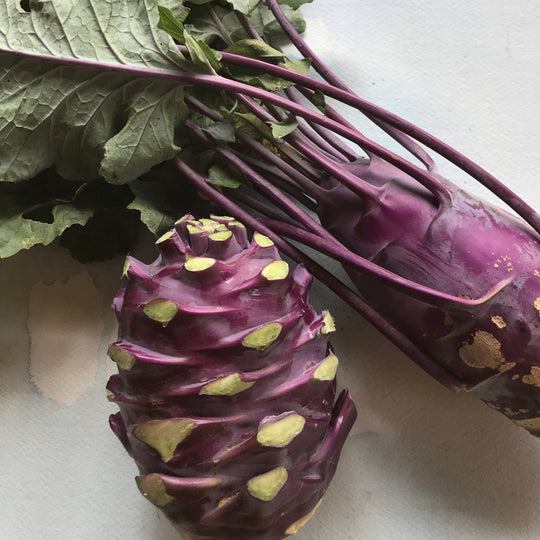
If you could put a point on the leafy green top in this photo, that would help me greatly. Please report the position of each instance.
(79, 95)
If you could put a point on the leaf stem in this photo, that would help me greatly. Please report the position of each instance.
(338, 287)
(389, 119)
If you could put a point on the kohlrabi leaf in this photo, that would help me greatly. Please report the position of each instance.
(177, 8)
(149, 129)
(202, 55)
(81, 98)
(255, 48)
(256, 78)
(220, 131)
(283, 128)
(272, 29)
(298, 66)
(171, 25)
(251, 125)
(220, 176)
(150, 201)
(201, 25)
(294, 4)
(244, 6)
(17, 232)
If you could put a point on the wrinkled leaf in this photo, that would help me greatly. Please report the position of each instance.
(283, 128)
(273, 30)
(151, 121)
(65, 113)
(201, 26)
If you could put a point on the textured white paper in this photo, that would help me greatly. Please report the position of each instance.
(422, 463)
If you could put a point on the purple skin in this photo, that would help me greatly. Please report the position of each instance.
(422, 228)
(201, 472)
(464, 248)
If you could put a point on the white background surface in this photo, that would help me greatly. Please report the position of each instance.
(422, 463)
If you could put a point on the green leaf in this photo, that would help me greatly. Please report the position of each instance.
(251, 125)
(201, 54)
(219, 176)
(255, 48)
(298, 66)
(283, 128)
(150, 200)
(318, 99)
(221, 131)
(294, 4)
(243, 6)
(201, 26)
(150, 125)
(256, 78)
(272, 29)
(63, 105)
(177, 8)
(171, 25)
(17, 233)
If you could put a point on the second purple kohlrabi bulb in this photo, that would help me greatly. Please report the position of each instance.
(226, 384)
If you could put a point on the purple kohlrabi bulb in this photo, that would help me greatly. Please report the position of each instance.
(226, 384)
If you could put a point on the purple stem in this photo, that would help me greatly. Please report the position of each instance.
(446, 151)
(405, 141)
(292, 209)
(337, 143)
(341, 254)
(277, 178)
(325, 243)
(354, 183)
(247, 26)
(310, 187)
(455, 157)
(302, 132)
(260, 206)
(326, 135)
(320, 142)
(340, 289)
(321, 68)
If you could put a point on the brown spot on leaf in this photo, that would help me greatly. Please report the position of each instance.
(533, 378)
(537, 305)
(483, 352)
(448, 320)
